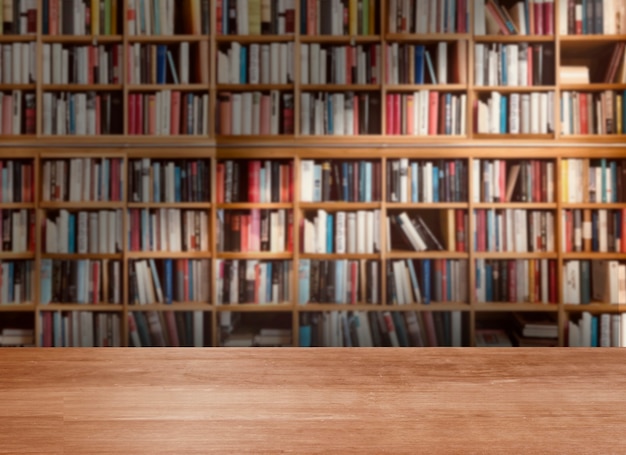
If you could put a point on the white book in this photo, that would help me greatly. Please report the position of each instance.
(183, 62)
(351, 232)
(265, 64)
(254, 70)
(442, 62)
(275, 58)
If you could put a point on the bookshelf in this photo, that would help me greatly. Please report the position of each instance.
(380, 87)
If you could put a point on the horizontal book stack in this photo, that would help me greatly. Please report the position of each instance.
(81, 17)
(592, 330)
(341, 232)
(529, 17)
(254, 181)
(381, 329)
(84, 281)
(255, 113)
(340, 114)
(426, 181)
(515, 113)
(255, 230)
(601, 281)
(595, 17)
(513, 65)
(339, 180)
(86, 329)
(513, 181)
(516, 280)
(256, 64)
(17, 337)
(83, 179)
(172, 230)
(264, 337)
(254, 281)
(425, 281)
(601, 231)
(428, 16)
(167, 328)
(83, 232)
(17, 280)
(601, 180)
(169, 280)
(255, 17)
(514, 231)
(339, 17)
(341, 281)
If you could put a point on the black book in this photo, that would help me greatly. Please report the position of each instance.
(548, 76)
(265, 230)
(330, 282)
(426, 234)
(504, 282)
(495, 272)
(374, 328)
(326, 181)
(250, 288)
(275, 169)
(235, 232)
(335, 192)
(242, 284)
(232, 17)
(235, 185)
(205, 11)
(315, 281)
(226, 282)
(382, 326)
(391, 285)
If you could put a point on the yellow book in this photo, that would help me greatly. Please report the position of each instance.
(564, 183)
(353, 17)
(618, 106)
(95, 17)
(254, 17)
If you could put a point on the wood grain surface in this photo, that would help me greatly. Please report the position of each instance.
(290, 400)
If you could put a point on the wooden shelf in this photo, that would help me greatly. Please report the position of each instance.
(401, 88)
(174, 306)
(432, 306)
(510, 255)
(103, 306)
(173, 87)
(592, 87)
(17, 38)
(591, 38)
(427, 255)
(24, 87)
(515, 306)
(338, 39)
(255, 205)
(170, 205)
(169, 255)
(253, 39)
(82, 87)
(10, 256)
(267, 255)
(515, 205)
(595, 308)
(514, 38)
(81, 256)
(253, 87)
(426, 37)
(87, 205)
(17, 307)
(515, 89)
(165, 39)
(593, 205)
(335, 206)
(82, 39)
(254, 307)
(340, 256)
(596, 255)
(425, 205)
(340, 87)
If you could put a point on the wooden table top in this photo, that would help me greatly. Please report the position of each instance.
(295, 400)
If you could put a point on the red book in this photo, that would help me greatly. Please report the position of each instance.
(433, 108)
(502, 180)
(539, 18)
(218, 15)
(552, 282)
(460, 231)
(254, 181)
(374, 62)
(219, 176)
(175, 116)
(461, 14)
(171, 328)
(536, 180)
(397, 117)
(492, 10)
(139, 99)
(186, 279)
(290, 232)
(548, 17)
(53, 24)
(290, 181)
(265, 115)
(312, 17)
(584, 118)
(7, 115)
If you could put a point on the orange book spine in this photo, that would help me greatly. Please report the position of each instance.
(175, 117)
(433, 109)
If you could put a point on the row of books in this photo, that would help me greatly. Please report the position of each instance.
(82, 180)
(167, 17)
(513, 181)
(154, 180)
(593, 113)
(592, 17)
(82, 232)
(594, 281)
(17, 231)
(254, 181)
(514, 230)
(16, 181)
(603, 330)
(428, 230)
(413, 64)
(17, 113)
(341, 281)
(82, 17)
(339, 17)
(338, 64)
(169, 280)
(264, 337)
(429, 280)
(17, 337)
(516, 280)
(381, 329)
(17, 282)
(81, 64)
(17, 61)
(81, 113)
(256, 64)
(426, 113)
(339, 114)
(255, 230)
(254, 281)
(600, 180)
(256, 113)
(529, 17)
(85, 329)
(255, 17)
(515, 113)
(426, 181)
(337, 180)
(155, 64)
(168, 230)
(513, 65)
(168, 113)
(341, 232)
(166, 328)
(428, 16)
(588, 230)
(84, 281)
(18, 17)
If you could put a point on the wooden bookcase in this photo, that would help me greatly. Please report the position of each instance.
(214, 147)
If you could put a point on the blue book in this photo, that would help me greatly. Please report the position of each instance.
(503, 67)
(362, 179)
(142, 17)
(304, 282)
(177, 184)
(624, 112)
(329, 112)
(426, 280)
(156, 190)
(594, 331)
(420, 49)
(339, 281)
(268, 281)
(157, 17)
(489, 283)
(414, 182)
(170, 61)
(603, 175)
(594, 231)
(431, 70)
(304, 333)
(351, 196)
(71, 240)
(160, 63)
(169, 281)
(45, 278)
(345, 330)
(72, 127)
(145, 229)
(344, 181)
(317, 183)
(368, 182)
(503, 115)
(435, 184)
(57, 329)
(243, 66)
(527, 15)
(330, 235)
